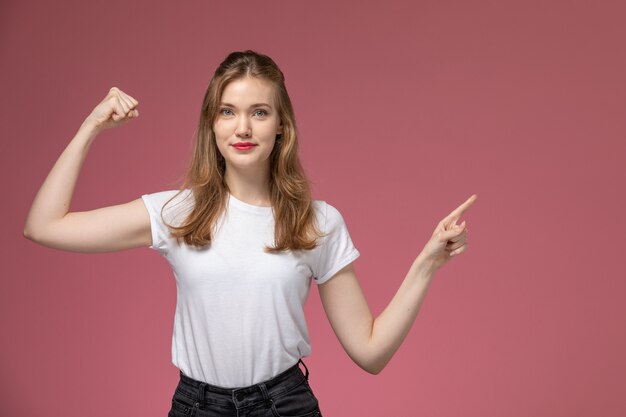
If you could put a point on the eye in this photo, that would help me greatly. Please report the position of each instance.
(260, 113)
(225, 111)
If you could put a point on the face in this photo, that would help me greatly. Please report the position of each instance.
(247, 113)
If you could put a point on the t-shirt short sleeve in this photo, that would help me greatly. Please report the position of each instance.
(336, 249)
(154, 203)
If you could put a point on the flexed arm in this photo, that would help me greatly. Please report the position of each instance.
(101, 230)
(370, 342)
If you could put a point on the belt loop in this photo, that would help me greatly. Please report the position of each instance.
(201, 388)
(307, 369)
(265, 393)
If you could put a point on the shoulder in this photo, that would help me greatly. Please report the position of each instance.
(162, 197)
(329, 216)
(170, 201)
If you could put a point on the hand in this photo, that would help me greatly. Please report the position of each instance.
(448, 239)
(116, 109)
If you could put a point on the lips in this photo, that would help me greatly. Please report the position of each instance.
(244, 146)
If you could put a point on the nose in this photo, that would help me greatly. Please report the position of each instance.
(243, 128)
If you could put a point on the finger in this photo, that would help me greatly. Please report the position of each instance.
(454, 245)
(455, 229)
(119, 96)
(131, 104)
(123, 103)
(460, 229)
(119, 106)
(449, 223)
(458, 238)
(459, 250)
(112, 91)
(118, 109)
(446, 236)
(131, 98)
(127, 97)
(457, 212)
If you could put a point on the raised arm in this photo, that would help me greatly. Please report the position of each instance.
(106, 229)
(371, 342)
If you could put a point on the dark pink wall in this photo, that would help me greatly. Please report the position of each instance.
(405, 109)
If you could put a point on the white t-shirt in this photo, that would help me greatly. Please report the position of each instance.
(239, 313)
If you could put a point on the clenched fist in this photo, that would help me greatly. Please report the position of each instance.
(116, 109)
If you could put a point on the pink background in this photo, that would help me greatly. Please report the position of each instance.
(405, 109)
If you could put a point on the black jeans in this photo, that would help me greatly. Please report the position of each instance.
(288, 394)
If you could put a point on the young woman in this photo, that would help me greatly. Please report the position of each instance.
(245, 240)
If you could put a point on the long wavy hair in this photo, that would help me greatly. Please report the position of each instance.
(295, 225)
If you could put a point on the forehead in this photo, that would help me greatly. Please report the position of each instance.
(248, 90)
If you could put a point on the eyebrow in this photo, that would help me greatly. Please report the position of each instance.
(252, 105)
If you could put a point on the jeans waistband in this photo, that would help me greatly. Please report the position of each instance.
(240, 397)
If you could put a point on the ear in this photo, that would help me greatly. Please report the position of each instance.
(280, 129)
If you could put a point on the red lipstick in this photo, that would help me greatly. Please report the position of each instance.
(243, 146)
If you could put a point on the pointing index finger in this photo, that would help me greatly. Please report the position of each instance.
(457, 212)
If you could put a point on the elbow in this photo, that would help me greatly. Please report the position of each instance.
(371, 359)
(373, 367)
(27, 233)
(373, 371)
(28, 228)
(32, 234)
(34, 230)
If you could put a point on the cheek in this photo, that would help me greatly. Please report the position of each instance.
(222, 134)
(219, 138)
(270, 147)
(217, 129)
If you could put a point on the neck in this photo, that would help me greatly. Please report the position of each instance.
(251, 187)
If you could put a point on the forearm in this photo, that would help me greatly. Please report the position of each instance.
(54, 197)
(371, 342)
(390, 328)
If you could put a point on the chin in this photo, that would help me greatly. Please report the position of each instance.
(247, 164)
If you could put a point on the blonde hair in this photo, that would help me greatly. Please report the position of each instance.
(295, 226)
